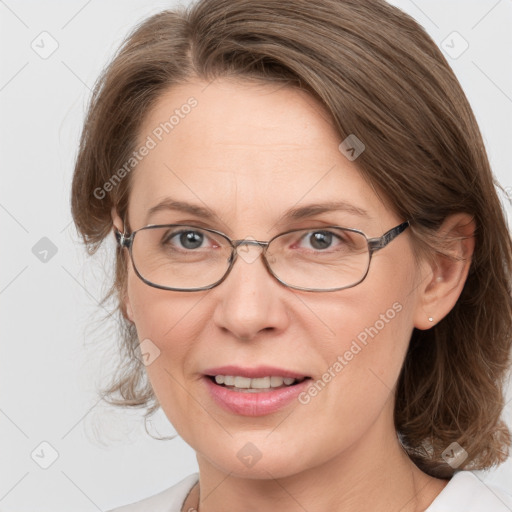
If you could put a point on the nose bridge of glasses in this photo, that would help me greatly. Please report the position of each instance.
(242, 248)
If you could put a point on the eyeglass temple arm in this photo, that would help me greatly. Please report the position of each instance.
(122, 239)
(379, 243)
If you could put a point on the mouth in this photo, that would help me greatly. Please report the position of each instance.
(255, 385)
(256, 391)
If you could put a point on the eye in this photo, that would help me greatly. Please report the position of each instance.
(188, 239)
(321, 240)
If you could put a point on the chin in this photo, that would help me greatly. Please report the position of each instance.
(256, 455)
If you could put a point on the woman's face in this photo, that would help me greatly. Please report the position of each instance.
(249, 153)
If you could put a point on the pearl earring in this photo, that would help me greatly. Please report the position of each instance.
(430, 319)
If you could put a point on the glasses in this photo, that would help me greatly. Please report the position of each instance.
(182, 257)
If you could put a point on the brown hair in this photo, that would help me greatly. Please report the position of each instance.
(381, 77)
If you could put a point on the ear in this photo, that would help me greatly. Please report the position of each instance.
(116, 219)
(446, 274)
(126, 305)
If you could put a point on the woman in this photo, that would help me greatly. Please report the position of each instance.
(313, 267)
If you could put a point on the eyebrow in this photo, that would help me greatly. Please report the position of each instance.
(181, 206)
(293, 214)
(309, 210)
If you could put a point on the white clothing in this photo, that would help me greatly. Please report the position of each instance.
(465, 492)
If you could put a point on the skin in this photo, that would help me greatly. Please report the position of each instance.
(249, 152)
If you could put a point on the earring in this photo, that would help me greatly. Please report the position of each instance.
(430, 319)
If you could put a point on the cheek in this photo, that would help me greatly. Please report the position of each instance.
(363, 361)
(161, 314)
(166, 322)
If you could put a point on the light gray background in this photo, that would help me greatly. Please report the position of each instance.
(54, 346)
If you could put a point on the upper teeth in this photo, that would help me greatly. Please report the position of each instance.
(259, 383)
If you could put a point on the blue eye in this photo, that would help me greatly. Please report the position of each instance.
(191, 239)
(188, 239)
(321, 240)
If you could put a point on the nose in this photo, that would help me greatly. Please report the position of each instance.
(250, 299)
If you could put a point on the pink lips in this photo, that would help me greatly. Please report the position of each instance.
(253, 404)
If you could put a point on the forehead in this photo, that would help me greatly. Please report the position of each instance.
(234, 112)
(243, 150)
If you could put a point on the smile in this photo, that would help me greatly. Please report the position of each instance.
(254, 391)
(257, 385)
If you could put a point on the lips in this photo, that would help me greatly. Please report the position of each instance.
(230, 387)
